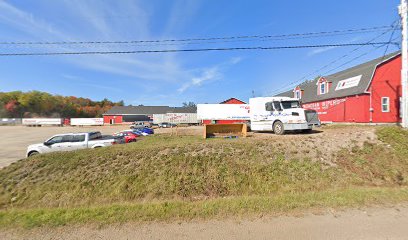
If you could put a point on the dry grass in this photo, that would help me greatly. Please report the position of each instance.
(197, 178)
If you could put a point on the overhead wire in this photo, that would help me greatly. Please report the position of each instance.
(192, 50)
(302, 79)
(281, 36)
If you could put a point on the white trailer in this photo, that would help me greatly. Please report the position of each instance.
(223, 112)
(10, 121)
(42, 121)
(86, 122)
(280, 114)
(176, 118)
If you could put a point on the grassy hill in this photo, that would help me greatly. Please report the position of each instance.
(167, 177)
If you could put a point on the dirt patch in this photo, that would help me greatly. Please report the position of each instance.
(322, 144)
(372, 223)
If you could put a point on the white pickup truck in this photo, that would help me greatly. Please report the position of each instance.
(281, 114)
(73, 141)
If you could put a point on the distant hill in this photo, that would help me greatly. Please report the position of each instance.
(19, 104)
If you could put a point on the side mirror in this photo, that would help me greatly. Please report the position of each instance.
(48, 143)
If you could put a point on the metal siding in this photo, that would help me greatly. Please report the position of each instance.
(107, 118)
(10, 121)
(86, 121)
(387, 83)
(42, 121)
(175, 118)
(348, 109)
(223, 112)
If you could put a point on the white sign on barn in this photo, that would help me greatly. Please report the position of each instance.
(348, 83)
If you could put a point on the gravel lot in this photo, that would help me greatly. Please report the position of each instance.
(15, 139)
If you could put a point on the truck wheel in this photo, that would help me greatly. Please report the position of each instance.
(33, 153)
(307, 131)
(278, 128)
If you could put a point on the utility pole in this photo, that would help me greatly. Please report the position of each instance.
(403, 11)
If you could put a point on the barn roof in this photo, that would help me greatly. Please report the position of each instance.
(365, 70)
(232, 99)
(148, 110)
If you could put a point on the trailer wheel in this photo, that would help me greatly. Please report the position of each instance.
(278, 128)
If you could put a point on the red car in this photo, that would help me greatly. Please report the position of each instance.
(129, 136)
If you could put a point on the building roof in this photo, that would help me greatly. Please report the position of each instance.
(232, 100)
(148, 110)
(366, 70)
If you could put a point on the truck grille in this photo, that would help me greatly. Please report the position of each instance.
(312, 117)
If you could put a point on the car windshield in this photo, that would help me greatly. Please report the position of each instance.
(290, 104)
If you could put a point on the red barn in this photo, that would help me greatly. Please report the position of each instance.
(367, 93)
(233, 101)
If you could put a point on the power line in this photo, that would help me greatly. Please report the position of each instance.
(193, 50)
(392, 34)
(88, 45)
(282, 36)
(355, 58)
(393, 25)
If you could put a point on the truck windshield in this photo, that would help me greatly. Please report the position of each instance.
(290, 104)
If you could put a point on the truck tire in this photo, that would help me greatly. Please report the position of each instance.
(32, 153)
(307, 131)
(278, 128)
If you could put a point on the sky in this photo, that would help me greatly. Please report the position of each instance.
(174, 78)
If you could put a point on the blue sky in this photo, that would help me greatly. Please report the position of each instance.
(173, 78)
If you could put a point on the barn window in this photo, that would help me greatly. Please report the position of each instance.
(322, 88)
(385, 104)
(298, 94)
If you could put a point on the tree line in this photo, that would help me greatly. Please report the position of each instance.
(19, 104)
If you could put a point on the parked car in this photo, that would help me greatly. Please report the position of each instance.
(140, 125)
(136, 131)
(167, 125)
(147, 130)
(73, 141)
(127, 135)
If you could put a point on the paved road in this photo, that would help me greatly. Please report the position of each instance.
(371, 224)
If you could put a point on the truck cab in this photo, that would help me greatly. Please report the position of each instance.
(281, 114)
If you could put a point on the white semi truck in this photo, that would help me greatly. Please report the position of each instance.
(281, 114)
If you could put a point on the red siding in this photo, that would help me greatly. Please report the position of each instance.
(108, 118)
(387, 83)
(348, 109)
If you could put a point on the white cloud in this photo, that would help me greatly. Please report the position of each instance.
(209, 74)
(90, 20)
